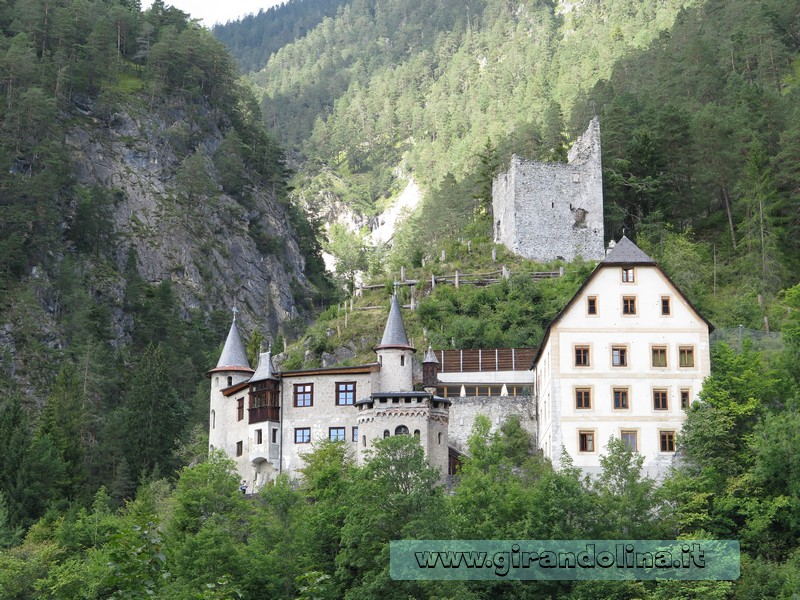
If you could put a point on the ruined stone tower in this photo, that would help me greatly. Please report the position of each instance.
(549, 211)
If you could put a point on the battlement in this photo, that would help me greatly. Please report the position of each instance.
(548, 211)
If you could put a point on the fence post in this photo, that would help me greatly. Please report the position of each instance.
(457, 280)
(413, 297)
(494, 255)
(444, 256)
(402, 273)
(433, 281)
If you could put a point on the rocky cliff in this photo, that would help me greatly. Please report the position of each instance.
(206, 243)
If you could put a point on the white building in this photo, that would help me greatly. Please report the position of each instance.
(265, 421)
(625, 358)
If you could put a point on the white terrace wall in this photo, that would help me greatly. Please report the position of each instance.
(549, 211)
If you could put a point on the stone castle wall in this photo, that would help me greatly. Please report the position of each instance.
(464, 410)
(549, 211)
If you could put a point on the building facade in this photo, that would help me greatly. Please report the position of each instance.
(625, 358)
(265, 421)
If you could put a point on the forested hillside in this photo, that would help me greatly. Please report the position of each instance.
(697, 101)
(254, 38)
(141, 199)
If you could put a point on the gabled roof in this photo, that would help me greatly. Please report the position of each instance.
(394, 334)
(234, 356)
(264, 368)
(624, 252)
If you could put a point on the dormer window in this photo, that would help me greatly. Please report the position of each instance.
(627, 275)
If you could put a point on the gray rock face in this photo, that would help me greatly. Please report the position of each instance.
(202, 243)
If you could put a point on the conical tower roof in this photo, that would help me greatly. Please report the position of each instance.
(264, 368)
(394, 334)
(430, 357)
(234, 356)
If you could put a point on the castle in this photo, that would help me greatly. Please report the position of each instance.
(625, 358)
(550, 211)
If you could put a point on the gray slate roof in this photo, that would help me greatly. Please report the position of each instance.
(625, 252)
(264, 368)
(233, 353)
(430, 357)
(394, 334)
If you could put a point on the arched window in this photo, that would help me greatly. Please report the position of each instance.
(416, 432)
(213, 419)
(401, 430)
(440, 437)
(216, 380)
(385, 433)
(230, 381)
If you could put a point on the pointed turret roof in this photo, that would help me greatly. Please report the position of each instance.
(394, 334)
(234, 356)
(625, 252)
(430, 357)
(264, 368)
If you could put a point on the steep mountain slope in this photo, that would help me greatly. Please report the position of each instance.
(696, 99)
(141, 200)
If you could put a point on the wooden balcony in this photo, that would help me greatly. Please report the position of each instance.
(264, 413)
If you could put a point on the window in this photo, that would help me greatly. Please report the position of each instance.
(345, 393)
(354, 436)
(401, 430)
(685, 399)
(667, 441)
(304, 394)
(583, 398)
(386, 433)
(274, 436)
(629, 305)
(336, 434)
(586, 441)
(665, 307)
(631, 439)
(402, 361)
(591, 305)
(581, 356)
(239, 409)
(659, 399)
(416, 432)
(230, 381)
(239, 448)
(302, 435)
(659, 354)
(213, 419)
(686, 356)
(440, 437)
(259, 436)
(628, 275)
(621, 399)
(619, 356)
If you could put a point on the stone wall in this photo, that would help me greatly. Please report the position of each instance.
(498, 408)
(549, 211)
